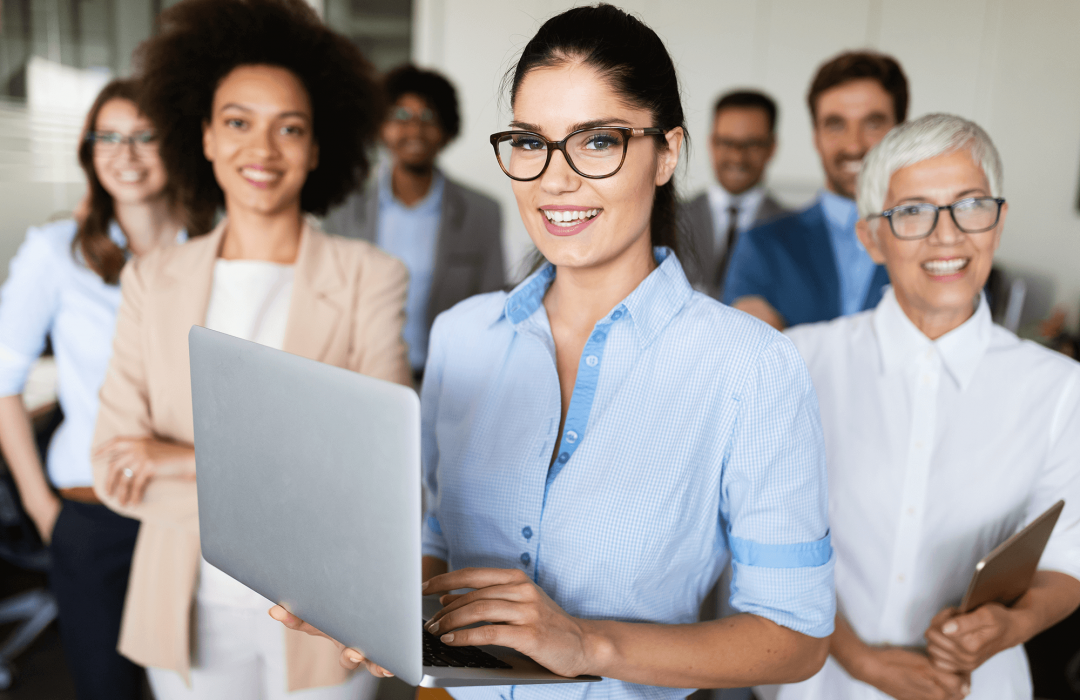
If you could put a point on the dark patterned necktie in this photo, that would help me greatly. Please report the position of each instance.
(732, 237)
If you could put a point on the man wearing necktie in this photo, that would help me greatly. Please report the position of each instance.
(742, 143)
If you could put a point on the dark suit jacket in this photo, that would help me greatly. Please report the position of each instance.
(468, 250)
(696, 224)
(790, 262)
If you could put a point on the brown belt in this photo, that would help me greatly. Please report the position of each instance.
(82, 494)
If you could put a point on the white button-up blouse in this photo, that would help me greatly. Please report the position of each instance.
(937, 452)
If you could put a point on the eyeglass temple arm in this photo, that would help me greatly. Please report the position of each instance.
(651, 131)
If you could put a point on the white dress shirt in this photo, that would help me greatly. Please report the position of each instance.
(250, 300)
(937, 452)
(720, 201)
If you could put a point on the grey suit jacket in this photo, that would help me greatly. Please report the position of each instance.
(468, 250)
(696, 226)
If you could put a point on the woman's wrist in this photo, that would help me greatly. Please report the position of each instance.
(601, 652)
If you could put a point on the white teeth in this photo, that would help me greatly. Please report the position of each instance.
(945, 267)
(853, 166)
(130, 176)
(258, 175)
(565, 217)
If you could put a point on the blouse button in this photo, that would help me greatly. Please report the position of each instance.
(592, 360)
(525, 559)
(563, 458)
(598, 336)
(571, 436)
(616, 315)
(526, 532)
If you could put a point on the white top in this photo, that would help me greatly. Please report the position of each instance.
(720, 201)
(50, 292)
(249, 300)
(937, 451)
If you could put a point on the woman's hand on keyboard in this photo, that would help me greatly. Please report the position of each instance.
(525, 618)
(348, 658)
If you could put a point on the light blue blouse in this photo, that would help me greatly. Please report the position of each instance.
(692, 436)
(51, 293)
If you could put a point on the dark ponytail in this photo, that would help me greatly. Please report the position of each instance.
(637, 65)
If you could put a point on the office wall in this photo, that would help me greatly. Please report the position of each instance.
(1011, 65)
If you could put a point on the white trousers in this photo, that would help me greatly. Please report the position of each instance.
(240, 655)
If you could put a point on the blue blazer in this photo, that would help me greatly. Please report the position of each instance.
(790, 262)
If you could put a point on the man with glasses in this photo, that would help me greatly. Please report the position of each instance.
(742, 143)
(448, 235)
(809, 266)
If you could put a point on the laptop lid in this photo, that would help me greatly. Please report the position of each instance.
(309, 491)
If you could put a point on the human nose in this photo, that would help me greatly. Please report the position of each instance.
(559, 177)
(263, 140)
(946, 232)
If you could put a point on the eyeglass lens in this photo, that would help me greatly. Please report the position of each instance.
(110, 141)
(971, 216)
(404, 114)
(594, 152)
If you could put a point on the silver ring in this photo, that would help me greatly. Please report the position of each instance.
(128, 473)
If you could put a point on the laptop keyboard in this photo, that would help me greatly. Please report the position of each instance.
(438, 654)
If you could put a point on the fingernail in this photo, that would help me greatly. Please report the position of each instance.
(387, 674)
(448, 637)
(424, 587)
(356, 658)
(950, 628)
(965, 689)
(434, 627)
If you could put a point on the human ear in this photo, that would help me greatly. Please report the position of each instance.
(669, 158)
(868, 236)
(209, 144)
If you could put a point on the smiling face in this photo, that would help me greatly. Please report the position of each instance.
(575, 221)
(851, 119)
(941, 275)
(260, 140)
(132, 173)
(416, 141)
(741, 147)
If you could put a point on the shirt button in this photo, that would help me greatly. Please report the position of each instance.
(563, 458)
(899, 578)
(526, 532)
(918, 444)
(598, 336)
(592, 360)
(926, 380)
(571, 436)
(911, 511)
(525, 559)
(616, 315)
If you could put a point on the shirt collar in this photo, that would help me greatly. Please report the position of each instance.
(901, 342)
(722, 199)
(651, 306)
(116, 235)
(840, 212)
(430, 203)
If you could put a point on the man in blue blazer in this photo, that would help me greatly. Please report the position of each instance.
(809, 266)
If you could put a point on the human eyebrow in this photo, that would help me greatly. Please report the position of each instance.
(591, 124)
(233, 105)
(973, 192)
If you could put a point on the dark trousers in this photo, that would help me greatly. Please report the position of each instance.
(91, 558)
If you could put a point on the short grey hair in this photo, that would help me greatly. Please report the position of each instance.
(918, 140)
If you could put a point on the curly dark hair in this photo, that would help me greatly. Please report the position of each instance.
(202, 41)
(430, 86)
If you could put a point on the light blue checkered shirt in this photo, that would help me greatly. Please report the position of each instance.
(692, 435)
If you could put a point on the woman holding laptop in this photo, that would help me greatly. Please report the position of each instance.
(264, 110)
(598, 442)
(945, 434)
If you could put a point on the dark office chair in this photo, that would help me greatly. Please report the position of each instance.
(21, 546)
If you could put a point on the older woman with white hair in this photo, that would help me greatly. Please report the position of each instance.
(944, 435)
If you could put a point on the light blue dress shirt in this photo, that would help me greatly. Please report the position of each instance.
(692, 436)
(51, 293)
(411, 234)
(853, 263)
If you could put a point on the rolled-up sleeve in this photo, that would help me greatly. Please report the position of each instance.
(28, 302)
(433, 540)
(1060, 478)
(775, 498)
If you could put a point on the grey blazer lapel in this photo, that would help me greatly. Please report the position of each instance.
(697, 226)
(768, 210)
(358, 215)
(451, 219)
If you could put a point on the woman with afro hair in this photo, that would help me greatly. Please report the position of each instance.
(266, 113)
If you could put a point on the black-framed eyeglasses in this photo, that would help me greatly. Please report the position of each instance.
(595, 153)
(755, 146)
(910, 222)
(112, 141)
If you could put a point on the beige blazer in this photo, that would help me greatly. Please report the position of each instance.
(347, 309)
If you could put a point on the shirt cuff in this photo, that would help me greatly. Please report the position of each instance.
(801, 598)
(433, 543)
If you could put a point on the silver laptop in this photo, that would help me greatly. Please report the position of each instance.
(309, 493)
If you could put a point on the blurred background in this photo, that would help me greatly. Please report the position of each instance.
(1013, 66)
